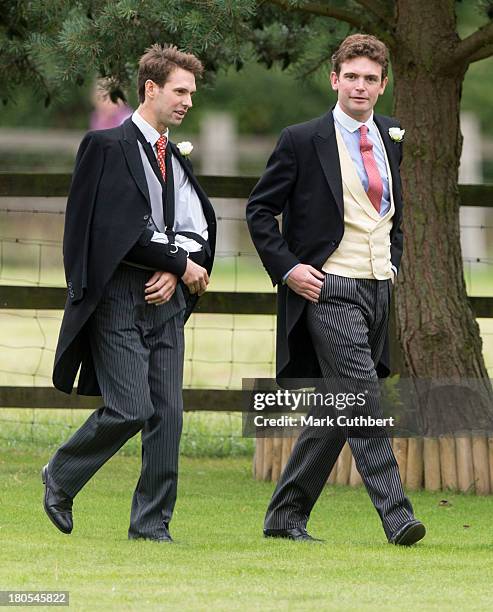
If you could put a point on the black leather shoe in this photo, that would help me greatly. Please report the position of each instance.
(163, 538)
(409, 534)
(298, 534)
(57, 504)
(160, 540)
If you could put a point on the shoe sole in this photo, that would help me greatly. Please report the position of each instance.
(43, 478)
(155, 540)
(287, 537)
(414, 534)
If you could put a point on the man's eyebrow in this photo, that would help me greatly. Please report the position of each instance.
(350, 73)
(183, 88)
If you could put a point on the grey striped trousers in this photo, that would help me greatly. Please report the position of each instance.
(138, 351)
(347, 327)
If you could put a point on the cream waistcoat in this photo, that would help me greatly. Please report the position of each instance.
(364, 251)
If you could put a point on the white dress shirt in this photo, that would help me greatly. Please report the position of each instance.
(189, 215)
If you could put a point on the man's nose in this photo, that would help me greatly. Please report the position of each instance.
(188, 101)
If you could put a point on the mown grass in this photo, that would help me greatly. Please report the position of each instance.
(221, 562)
(205, 434)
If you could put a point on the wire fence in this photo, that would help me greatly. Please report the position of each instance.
(221, 349)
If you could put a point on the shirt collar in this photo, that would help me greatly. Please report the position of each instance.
(347, 122)
(150, 133)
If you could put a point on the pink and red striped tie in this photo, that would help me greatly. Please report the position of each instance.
(375, 185)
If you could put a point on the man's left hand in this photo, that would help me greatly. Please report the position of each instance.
(160, 288)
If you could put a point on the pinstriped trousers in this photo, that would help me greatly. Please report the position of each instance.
(347, 327)
(138, 350)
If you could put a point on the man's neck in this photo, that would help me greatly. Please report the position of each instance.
(150, 117)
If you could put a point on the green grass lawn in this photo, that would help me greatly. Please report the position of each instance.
(205, 434)
(221, 562)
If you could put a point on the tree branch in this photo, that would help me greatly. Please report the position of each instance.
(334, 12)
(325, 10)
(483, 53)
(477, 46)
(378, 8)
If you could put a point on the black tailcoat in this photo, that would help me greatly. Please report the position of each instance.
(107, 212)
(303, 181)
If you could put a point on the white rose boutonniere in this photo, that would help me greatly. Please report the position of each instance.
(185, 148)
(396, 134)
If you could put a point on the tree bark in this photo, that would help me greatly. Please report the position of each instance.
(436, 327)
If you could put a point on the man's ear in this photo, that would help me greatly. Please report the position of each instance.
(383, 85)
(334, 81)
(150, 88)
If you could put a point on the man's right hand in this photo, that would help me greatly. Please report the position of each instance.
(195, 278)
(306, 281)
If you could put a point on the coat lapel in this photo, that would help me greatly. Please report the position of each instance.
(326, 146)
(352, 180)
(392, 150)
(132, 155)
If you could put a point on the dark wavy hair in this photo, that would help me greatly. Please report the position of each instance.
(361, 45)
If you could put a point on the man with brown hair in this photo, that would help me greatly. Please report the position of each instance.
(336, 181)
(138, 250)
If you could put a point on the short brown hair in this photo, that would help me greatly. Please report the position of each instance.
(361, 45)
(159, 61)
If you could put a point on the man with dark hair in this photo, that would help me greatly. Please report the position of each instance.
(336, 181)
(138, 249)
(158, 62)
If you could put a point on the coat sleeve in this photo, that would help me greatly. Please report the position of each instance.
(88, 169)
(157, 256)
(268, 199)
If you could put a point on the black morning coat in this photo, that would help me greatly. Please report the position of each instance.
(108, 210)
(303, 181)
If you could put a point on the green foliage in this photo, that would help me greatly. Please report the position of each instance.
(52, 44)
(63, 42)
(51, 51)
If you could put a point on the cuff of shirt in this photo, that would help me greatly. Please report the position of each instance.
(285, 277)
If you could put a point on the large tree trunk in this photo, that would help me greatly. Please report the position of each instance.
(436, 327)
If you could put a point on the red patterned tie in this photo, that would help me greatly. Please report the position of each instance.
(161, 152)
(375, 185)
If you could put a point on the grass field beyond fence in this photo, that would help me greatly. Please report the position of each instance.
(220, 560)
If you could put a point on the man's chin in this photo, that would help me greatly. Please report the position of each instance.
(178, 118)
(360, 110)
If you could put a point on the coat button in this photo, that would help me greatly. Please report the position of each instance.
(334, 242)
(146, 217)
